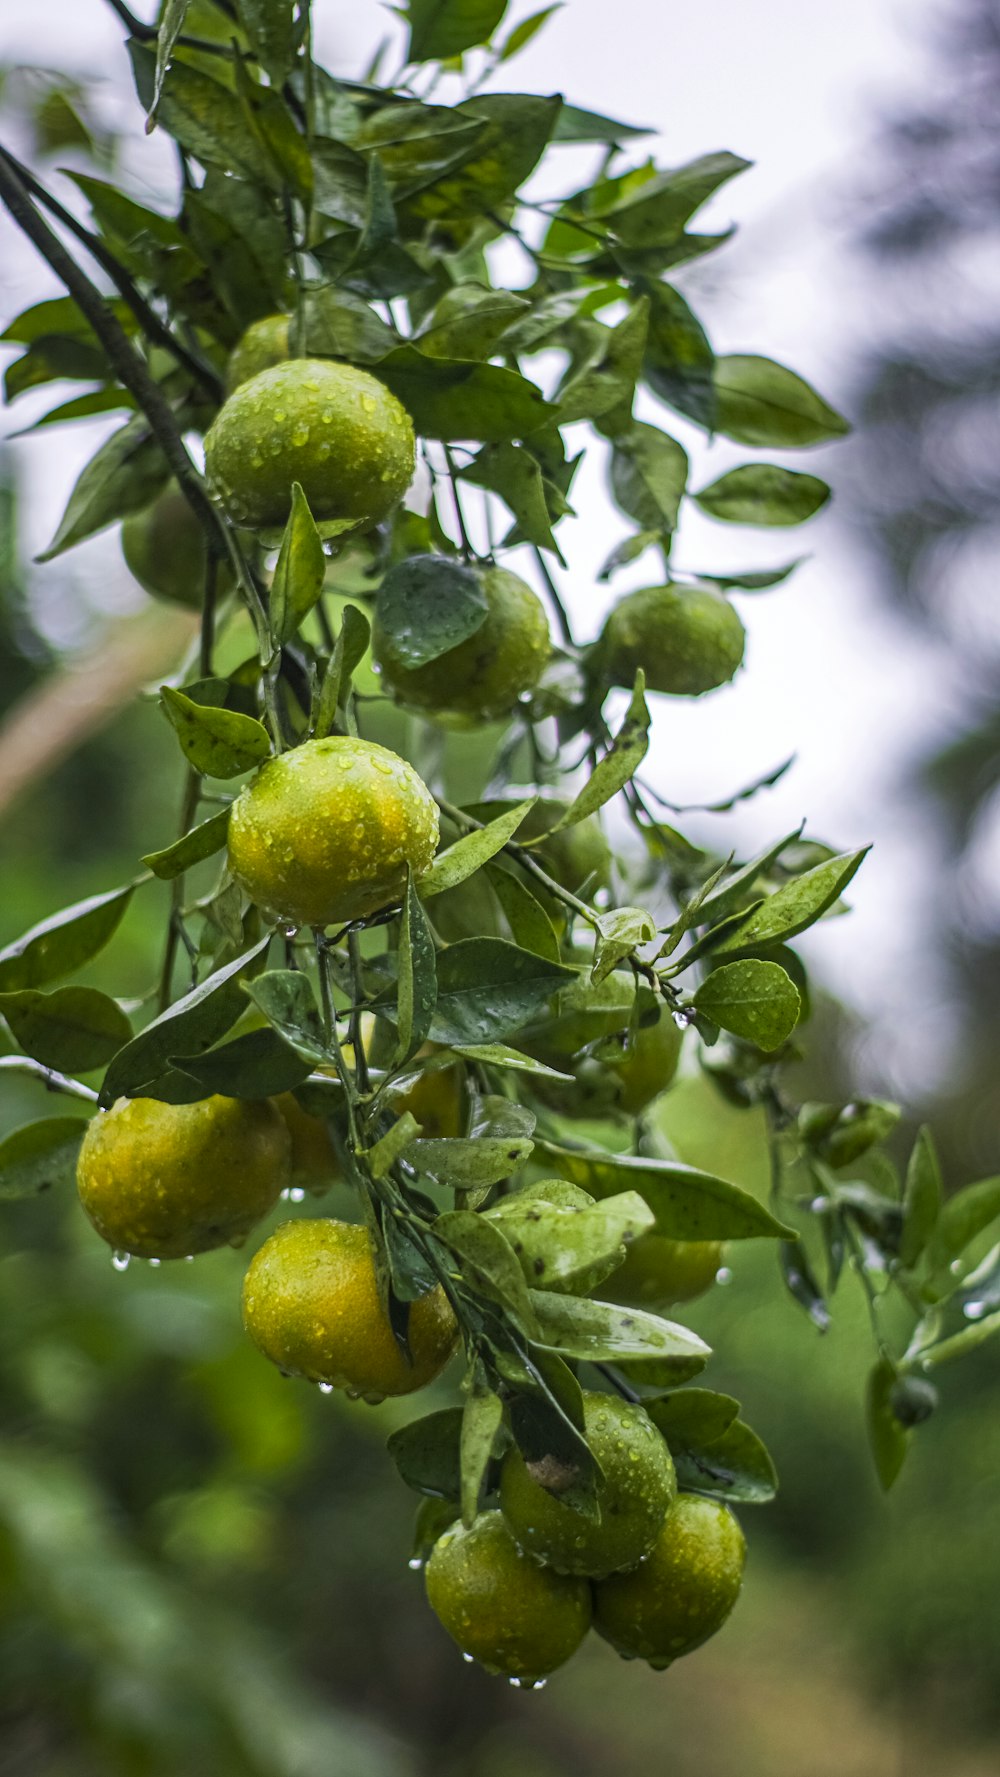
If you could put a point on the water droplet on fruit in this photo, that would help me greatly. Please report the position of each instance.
(326, 1388)
(296, 1194)
(121, 1261)
(154, 1261)
(723, 1275)
(415, 1563)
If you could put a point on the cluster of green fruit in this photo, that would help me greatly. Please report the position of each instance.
(340, 433)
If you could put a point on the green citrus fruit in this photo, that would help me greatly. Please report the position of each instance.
(332, 428)
(313, 1156)
(635, 1494)
(324, 832)
(483, 677)
(264, 344)
(502, 1608)
(682, 1593)
(687, 639)
(658, 1272)
(162, 1181)
(164, 549)
(311, 1304)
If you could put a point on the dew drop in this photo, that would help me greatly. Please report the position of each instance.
(469, 1661)
(975, 1310)
(296, 1194)
(414, 1564)
(723, 1275)
(121, 1261)
(154, 1262)
(326, 1388)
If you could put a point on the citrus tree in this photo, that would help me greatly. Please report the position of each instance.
(399, 953)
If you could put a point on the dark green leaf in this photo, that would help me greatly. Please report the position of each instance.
(171, 26)
(694, 1415)
(258, 1064)
(286, 998)
(763, 493)
(427, 605)
(516, 128)
(459, 400)
(800, 1281)
(889, 1442)
(204, 116)
(733, 1466)
(234, 226)
(487, 990)
(482, 1417)
(124, 476)
(653, 214)
(218, 742)
(298, 576)
(764, 404)
(792, 908)
(202, 842)
(39, 1155)
(628, 551)
(338, 324)
(188, 1027)
(74, 1029)
(64, 942)
(680, 362)
(604, 389)
(488, 1262)
(417, 989)
(963, 1218)
(440, 29)
(619, 764)
(649, 472)
(427, 1453)
(270, 26)
(530, 925)
(469, 853)
(754, 580)
(687, 1204)
(574, 125)
(513, 473)
(754, 1000)
(921, 1198)
(525, 31)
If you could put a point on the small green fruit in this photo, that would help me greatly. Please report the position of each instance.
(165, 550)
(482, 678)
(687, 639)
(682, 1593)
(504, 1610)
(264, 344)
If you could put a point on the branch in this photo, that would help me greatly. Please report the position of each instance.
(155, 329)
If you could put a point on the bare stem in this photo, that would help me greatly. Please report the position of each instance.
(561, 615)
(23, 1064)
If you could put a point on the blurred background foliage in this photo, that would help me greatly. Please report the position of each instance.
(203, 1567)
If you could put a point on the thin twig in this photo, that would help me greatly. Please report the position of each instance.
(23, 1064)
(553, 591)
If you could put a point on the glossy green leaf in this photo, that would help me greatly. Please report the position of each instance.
(735, 887)
(598, 1332)
(270, 26)
(497, 1145)
(489, 1262)
(619, 931)
(472, 851)
(764, 494)
(734, 1466)
(123, 476)
(338, 324)
(530, 926)
(440, 29)
(171, 26)
(515, 475)
(468, 321)
(688, 1204)
(963, 1218)
(514, 129)
(40, 1155)
(694, 1415)
(299, 572)
(62, 943)
(754, 1000)
(487, 990)
(73, 1029)
(427, 1453)
(921, 1198)
(764, 404)
(793, 908)
(192, 848)
(888, 1440)
(188, 1027)
(390, 1147)
(427, 605)
(217, 742)
(204, 116)
(455, 400)
(619, 764)
(417, 979)
(258, 1064)
(680, 363)
(649, 471)
(482, 1417)
(507, 1059)
(560, 1245)
(286, 998)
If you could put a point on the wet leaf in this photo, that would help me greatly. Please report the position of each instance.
(793, 908)
(427, 1453)
(469, 853)
(688, 1204)
(123, 476)
(417, 978)
(40, 1155)
(188, 1027)
(258, 1064)
(482, 1417)
(619, 764)
(754, 1000)
(299, 572)
(202, 842)
(62, 943)
(73, 1029)
(217, 742)
(427, 605)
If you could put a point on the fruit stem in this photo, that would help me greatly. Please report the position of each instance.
(562, 618)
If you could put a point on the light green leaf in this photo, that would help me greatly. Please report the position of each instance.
(597, 1332)
(963, 1218)
(560, 1245)
(192, 848)
(889, 1441)
(794, 907)
(171, 26)
(482, 1417)
(417, 980)
(764, 404)
(501, 1056)
(382, 1156)
(754, 1000)
(525, 31)
(530, 925)
(619, 764)
(124, 476)
(62, 943)
(489, 1262)
(921, 1198)
(620, 931)
(688, 1204)
(469, 853)
(352, 641)
(649, 472)
(764, 494)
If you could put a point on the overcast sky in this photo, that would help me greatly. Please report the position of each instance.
(798, 89)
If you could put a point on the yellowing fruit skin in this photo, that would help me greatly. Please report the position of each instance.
(313, 1158)
(683, 1593)
(687, 639)
(324, 832)
(513, 1616)
(658, 1272)
(164, 549)
(264, 344)
(162, 1181)
(311, 1304)
(482, 679)
(331, 427)
(638, 1489)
